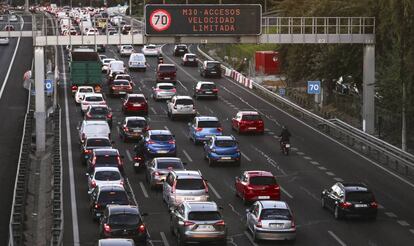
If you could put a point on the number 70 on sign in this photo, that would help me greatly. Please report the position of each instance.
(314, 87)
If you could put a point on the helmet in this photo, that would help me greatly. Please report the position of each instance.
(284, 128)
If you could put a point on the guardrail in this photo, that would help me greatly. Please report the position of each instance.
(375, 149)
(57, 194)
(17, 216)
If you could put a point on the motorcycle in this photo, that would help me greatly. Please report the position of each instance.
(139, 160)
(160, 60)
(285, 147)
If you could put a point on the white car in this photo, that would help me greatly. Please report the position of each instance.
(116, 67)
(137, 61)
(105, 64)
(4, 41)
(92, 32)
(93, 128)
(1, 18)
(13, 18)
(163, 91)
(181, 106)
(126, 50)
(104, 176)
(82, 90)
(91, 99)
(150, 50)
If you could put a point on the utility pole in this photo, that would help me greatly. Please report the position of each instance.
(130, 8)
(40, 112)
(26, 6)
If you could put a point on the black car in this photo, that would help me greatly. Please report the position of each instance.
(210, 69)
(132, 128)
(104, 195)
(347, 199)
(105, 158)
(205, 89)
(180, 49)
(100, 48)
(99, 112)
(92, 143)
(122, 221)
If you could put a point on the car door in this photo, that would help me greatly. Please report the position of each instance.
(239, 186)
(167, 186)
(90, 177)
(254, 215)
(333, 197)
(193, 126)
(150, 169)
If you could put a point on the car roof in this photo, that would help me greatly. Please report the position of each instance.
(211, 61)
(136, 95)
(355, 187)
(224, 137)
(95, 122)
(135, 118)
(248, 112)
(183, 97)
(167, 158)
(116, 242)
(207, 118)
(111, 187)
(201, 206)
(121, 209)
(159, 132)
(161, 84)
(190, 54)
(206, 82)
(187, 174)
(255, 173)
(166, 65)
(93, 95)
(106, 152)
(85, 87)
(95, 137)
(98, 106)
(102, 169)
(274, 204)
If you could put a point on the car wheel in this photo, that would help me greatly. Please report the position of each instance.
(180, 241)
(205, 156)
(172, 117)
(337, 213)
(210, 162)
(172, 230)
(237, 163)
(254, 235)
(323, 203)
(222, 242)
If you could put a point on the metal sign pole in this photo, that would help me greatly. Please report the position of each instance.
(368, 104)
(40, 113)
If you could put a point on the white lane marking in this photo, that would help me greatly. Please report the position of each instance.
(269, 160)
(166, 128)
(185, 88)
(412, 231)
(246, 157)
(293, 148)
(3, 86)
(271, 133)
(144, 191)
(322, 168)
(337, 238)
(328, 137)
(187, 155)
(338, 179)
(307, 158)
(128, 154)
(235, 211)
(403, 223)
(250, 238)
(300, 153)
(391, 214)
(330, 173)
(153, 110)
(164, 110)
(164, 239)
(73, 203)
(214, 190)
(309, 193)
(314, 163)
(286, 193)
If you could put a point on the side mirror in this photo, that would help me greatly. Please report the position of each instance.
(144, 214)
(189, 123)
(185, 163)
(87, 174)
(122, 157)
(77, 128)
(181, 223)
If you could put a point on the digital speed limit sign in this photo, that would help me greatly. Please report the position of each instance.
(160, 20)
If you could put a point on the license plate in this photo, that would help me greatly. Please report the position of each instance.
(263, 197)
(361, 205)
(188, 198)
(167, 78)
(137, 131)
(213, 72)
(137, 105)
(190, 59)
(205, 227)
(136, 164)
(276, 225)
(209, 92)
(252, 128)
(287, 145)
(98, 214)
(162, 151)
(225, 158)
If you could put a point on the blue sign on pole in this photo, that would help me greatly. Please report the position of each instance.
(282, 91)
(314, 87)
(48, 86)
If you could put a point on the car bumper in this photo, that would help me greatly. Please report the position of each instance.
(4, 41)
(138, 66)
(176, 201)
(255, 197)
(168, 80)
(164, 95)
(276, 235)
(162, 152)
(190, 63)
(206, 95)
(133, 135)
(225, 157)
(251, 129)
(369, 212)
(204, 236)
(119, 92)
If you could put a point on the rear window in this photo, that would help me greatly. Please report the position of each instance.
(213, 65)
(93, 99)
(137, 123)
(124, 77)
(138, 58)
(204, 215)
(208, 86)
(190, 184)
(225, 143)
(209, 124)
(260, 180)
(251, 117)
(359, 196)
(169, 164)
(98, 142)
(136, 99)
(181, 47)
(184, 102)
(167, 69)
(85, 90)
(124, 219)
(121, 82)
(99, 110)
(115, 197)
(160, 137)
(275, 214)
(127, 47)
(107, 176)
(190, 56)
(107, 159)
(166, 87)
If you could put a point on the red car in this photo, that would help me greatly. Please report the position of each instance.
(248, 121)
(257, 185)
(120, 87)
(135, 103)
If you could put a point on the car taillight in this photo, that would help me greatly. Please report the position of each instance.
(74, 88)
(93, 161)
(205, 186)
(173, 187)
(260, 122)
(121, 182)
(126, 128)
(146, 128)
(113, 87)
(188, 223)
(220, 223)
(88, 115)
(171, 142)
(137, 158)
(87, 151)
(119, 160)
(97, 206)
(93, 184)
(219, 129)
(198, 90)
(292, 224)
(199, 129)
(156, 174)
(174, 90)
(107, 228)
(157, 90)
(103, 103)
(373, 205)
(215, 90)
(109, 115)
(276, 187)
(83, 136)
(151, 142)
(345, 204)
(259, 223)
(141, 228)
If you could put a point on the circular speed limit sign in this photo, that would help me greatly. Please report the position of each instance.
(160, 20)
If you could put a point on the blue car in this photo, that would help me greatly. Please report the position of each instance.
(222, 149)
(159, 143)
(202, 128)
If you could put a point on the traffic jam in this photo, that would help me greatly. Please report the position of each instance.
(195, 216)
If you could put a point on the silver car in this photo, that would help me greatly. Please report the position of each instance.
(198, 222)
(180, 186)
(158, 169)
(104, 176)
(163, 91)
(270, 220)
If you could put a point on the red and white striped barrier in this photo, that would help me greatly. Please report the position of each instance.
(240, 78)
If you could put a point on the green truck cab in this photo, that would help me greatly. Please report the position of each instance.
(85, 69)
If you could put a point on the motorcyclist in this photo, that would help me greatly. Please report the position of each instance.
(284, 136)
(160, 59)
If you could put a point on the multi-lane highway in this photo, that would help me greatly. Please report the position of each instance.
(315, 163)
(15, 59)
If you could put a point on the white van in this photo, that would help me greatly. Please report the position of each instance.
(137, 61)
(115, 67)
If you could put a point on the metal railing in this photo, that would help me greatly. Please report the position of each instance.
(17, 216)
(375, 149)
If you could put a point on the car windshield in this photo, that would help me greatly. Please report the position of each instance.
(167, 69)
(150, 47)
(251, 117)
(123, 77)
(99, 110)
(208, 86)
(85, 90)
(213, 65)
(136, 99)
(138, 58)
(225, 143)
(190, 184)
(204, 215)
(98, 142)
(262, 180)
(209, 124)
(124, 219)
(275, 214)
(93, 99)
(161, 137)
(359, 196)
(107, 176)
(121, 82)
(166, 87)
(184, 102)
(115, 197)
(169, 164)
(136, 123)
(95, 128)
(107, 159)
(117, 66)
(127, 47)
(190, 56)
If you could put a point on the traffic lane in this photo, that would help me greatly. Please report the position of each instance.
(6, 54)
(319, 186)
(323, 150)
